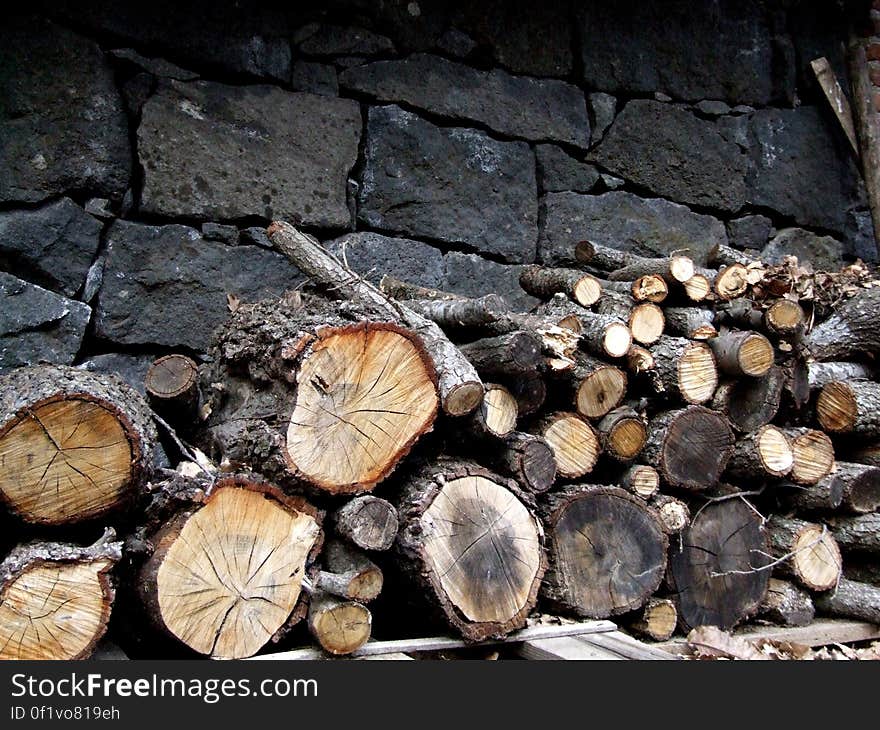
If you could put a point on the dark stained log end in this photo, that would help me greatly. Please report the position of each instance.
(369, 522)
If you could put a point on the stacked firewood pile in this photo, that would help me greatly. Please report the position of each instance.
(667, 444)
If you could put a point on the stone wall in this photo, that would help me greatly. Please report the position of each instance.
(144, 148)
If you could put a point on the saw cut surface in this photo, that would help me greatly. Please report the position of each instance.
(233, 574)
(64, 458)
(54, 610)
(483, 547)
(364, 395)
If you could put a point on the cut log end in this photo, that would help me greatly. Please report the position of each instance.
(600, 391)
(697, 373)
(225, 578)
(574, 442)
(836, 407)
(365, 391)
(641, 480)
(732, 282)
(817, 561)
(650, 288)
(756, 355)
(785, 317)
(681, 268)
(617, 339)
(813, 456)
(646, 323)
(697, 288)
(369, 522)
(171, 376)
(587, 291)
(340, 627)
(774, 451)
(674, 514)
(498, 410)
(623, 433)
(657, 619)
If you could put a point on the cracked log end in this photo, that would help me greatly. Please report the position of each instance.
(364, 395)
(697, 373)
(600, 391)
(575, 444)
(225, 578)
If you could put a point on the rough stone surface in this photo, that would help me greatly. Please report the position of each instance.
(712, 108)
(100, 208)
(131, 368)
(860, 236)
(218, 232)
(256, 236)
(750, 231)
(52, 245)
(338, 40)
(223, 152)
(557, 170)
(675, 154)
(315, 78)
(611, 182)
(372, 256)
(165, 285)
(517, 106)
(801, 168)
(456, 43)
(136, 91)
(154, 66)
(824, 253)
(452, 184)
(728, 49)
(650, 227)
(37, 325)
(470, 275)
(62, 125)
(602, 108)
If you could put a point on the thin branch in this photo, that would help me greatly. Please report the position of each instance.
(184, 449)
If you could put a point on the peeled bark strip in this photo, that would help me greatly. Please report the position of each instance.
(750, 403)
(55, 598)
(685, 369)
(623, 433)
(657, 620)
(692, 323)
(850, 407)
(715, 572)
(226, 575)
(743, 353)
(575, 444)
(461, 313)
(527, 458)
(598, 387)
(340, 627)
(785, 317)
(641, 480)
(459, 384)
(853, 329)
(544, 282)
(689, 447)
(497, 414)
(472, 546)
(820, 374)
(348, 573)
(369, 522)
(607, 551)
(674, 514)
(813, 455)
(815, 561)
(74, 445)
(762, 454)
(851, 600)
(787, 605)
(172, 385)
(674, 268)
(860, 534)
(511, 354)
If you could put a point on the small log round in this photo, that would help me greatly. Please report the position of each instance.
(498, 412)
(348, 573)
(814, 561)
(685, 369)
(642, 480)
(732, 282)
(656, 620)
(545, 282)
(172, 385)
(743, 353)
(574, 442)
(813, 455)
(530, 392)
(697, 288)
(367, 521)
(527, 458)
(649, 288)
(339, 626)
(646, 322)
(692, 323)
(674, 514)
(850, 407)
(623, 433)
(762, 454)
(785, 317)
(598, 387)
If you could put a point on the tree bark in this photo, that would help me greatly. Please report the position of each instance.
(526, 458)
(743, 353)
(368, 522)
(851, 600)
(685, 369)
(859, 534)
(765, 453)
(850, 407)
(750, 403)
(544, 282)
(452, 314)
(692, 323)
(601, 334)
(814, 557)
(509, 355)
(853, 329)
(787, 605)
(348, 573)
(172, 386)
(820, 374)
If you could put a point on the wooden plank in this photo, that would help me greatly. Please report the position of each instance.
(569, 648)
(837, 99)
(868, 128)
(626, 646)
(437, 643)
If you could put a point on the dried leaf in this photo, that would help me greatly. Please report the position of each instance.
(712, 642)
(233, 302)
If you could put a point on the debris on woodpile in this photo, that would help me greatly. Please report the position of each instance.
(676, 447)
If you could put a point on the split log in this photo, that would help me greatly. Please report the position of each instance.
(743, 353)
(716, 570)
(859, 534)
(656, 620)
(530, 392)
(674, 514)
(348, 573)
(813, 455)
(575, 444)
(814, 558)
(640, 360)
(508, 355)
(761, 454)
(641, 479)
(851, 600)
(850, 407)
(74, 445)
(853, 329)
(690, 447)
(623, 433)
(750, 403)
(226, 575)
(458, 382)
(527, 458)
(650, 288)
(692, 323)
(697, 288)
(306, 392)
(339, 626)
(607, 551)
(544, 282)
(820, 374)
(497, 414)
(477, 553)
(685, 369)
(369, 522)
(603, 335)
(786, 604)
(55, 598)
